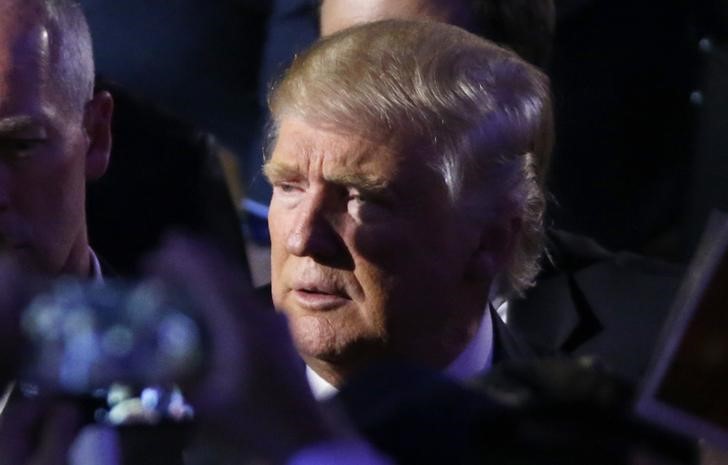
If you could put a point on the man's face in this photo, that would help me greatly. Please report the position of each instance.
(340, 14)
(42, 155)
(368, 256)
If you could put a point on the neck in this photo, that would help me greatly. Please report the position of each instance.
(437, 352)
(78, 262)
(333, 373)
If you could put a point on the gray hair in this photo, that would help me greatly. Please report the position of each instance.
(486, 112)
(71, 52)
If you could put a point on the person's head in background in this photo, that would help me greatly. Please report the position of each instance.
(54, 134)
(525, 26)
(402, 161)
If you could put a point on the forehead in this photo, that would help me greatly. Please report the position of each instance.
(389, 169)
(307, 147)
(24, 58)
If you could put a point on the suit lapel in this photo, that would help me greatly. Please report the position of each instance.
(548, 315)
(630, 297)
(507, 345)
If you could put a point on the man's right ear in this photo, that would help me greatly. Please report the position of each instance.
(97, 126)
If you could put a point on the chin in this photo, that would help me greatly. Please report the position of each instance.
(314, 337)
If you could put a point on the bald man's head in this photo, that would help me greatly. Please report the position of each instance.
(54, 134)
(58, 30)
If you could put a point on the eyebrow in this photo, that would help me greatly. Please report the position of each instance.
(274, 171)
(363, 182)
(369, 183)
(13, 124)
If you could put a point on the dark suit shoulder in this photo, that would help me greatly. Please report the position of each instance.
(598, 303)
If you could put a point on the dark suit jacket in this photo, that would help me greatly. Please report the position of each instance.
(592, 302)
(535, 412)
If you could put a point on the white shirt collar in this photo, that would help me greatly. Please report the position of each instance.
(478, 354)
(502, 309)
(320, 388)
(476, 358)
(96, 274)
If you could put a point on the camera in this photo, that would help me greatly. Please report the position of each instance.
(127, 343)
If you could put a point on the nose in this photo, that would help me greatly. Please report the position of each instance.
(313, 232)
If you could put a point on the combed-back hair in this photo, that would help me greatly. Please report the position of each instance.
(482, 113)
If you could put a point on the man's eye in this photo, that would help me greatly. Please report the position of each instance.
(366, 198)
(367, 207)
(360, 198)
(18, 148)
(287, 187)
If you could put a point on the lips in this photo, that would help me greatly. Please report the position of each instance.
(319, 296)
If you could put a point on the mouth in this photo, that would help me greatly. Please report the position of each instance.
(320, 298)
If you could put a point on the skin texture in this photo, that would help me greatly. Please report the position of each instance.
(369, 259)
(46, 151)
(340, 14)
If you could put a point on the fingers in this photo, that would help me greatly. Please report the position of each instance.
(17, 289)
(199, 267)
(219, 293)
(96, 445)
(34, 432)
(60, 426)
(18, 429)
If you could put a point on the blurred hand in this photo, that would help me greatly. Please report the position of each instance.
(710, 454)
(38, 432)
(253, 395)
(17, 287)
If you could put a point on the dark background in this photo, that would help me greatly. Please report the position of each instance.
(641, 91)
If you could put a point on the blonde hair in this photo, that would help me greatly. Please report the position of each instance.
(483, 110)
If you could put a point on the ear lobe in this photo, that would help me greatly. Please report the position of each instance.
(494, 250)
(97, 124)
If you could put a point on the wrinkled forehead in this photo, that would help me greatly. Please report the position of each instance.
(353, 130)
(303, 139)
(310, 151)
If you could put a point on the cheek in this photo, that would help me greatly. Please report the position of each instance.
(381, 256)
(40, 187)
(65, 181)
(406, 260)
(385, 247)
(278, 227)
(49, 199)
